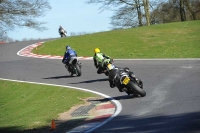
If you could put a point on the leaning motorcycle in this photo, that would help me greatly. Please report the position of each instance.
(74, 66)
(130, 84)
(63, 33)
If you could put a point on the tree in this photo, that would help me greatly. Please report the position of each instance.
(138, 7)
(193, 6)
(22, 13)
(125, 6)
(182, 10)
(126, 17)
(3, 36)
(167, 12)
(177, 10)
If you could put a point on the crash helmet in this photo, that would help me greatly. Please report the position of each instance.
(96, 50)
(68, 47)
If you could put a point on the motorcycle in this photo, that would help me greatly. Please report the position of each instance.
(63, 33)
(105, 64)
(125, 79)
(74, 66)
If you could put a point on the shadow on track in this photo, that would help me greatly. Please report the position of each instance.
(124, 97)
(178, 123)
(59, 77)
(160, 123)
(92, 81)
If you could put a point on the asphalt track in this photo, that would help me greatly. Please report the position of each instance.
(170, 106)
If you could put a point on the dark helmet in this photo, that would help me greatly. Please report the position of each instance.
(68, 47)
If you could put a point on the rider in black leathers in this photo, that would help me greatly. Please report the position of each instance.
(115, 72)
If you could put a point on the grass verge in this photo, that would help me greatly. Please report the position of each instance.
(172, 40)
(26, 106)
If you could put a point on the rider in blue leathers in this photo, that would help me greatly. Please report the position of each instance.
(68, 54)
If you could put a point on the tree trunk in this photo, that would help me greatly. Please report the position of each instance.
(146, 9)
(148, 13)
(139, 12)
(182, 11)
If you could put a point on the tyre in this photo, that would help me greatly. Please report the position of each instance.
(63, 35)
(78, 70)
(136, 89)
(70, 69)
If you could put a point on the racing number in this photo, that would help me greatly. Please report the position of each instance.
(126, 80)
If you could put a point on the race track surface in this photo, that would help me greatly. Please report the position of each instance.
(170, 106)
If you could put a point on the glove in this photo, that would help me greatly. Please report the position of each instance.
(126, 69)
(111, 61)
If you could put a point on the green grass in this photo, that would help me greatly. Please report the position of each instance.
(172, 40)
(27, 106)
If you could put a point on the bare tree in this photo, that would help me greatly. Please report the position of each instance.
(193, 6)
(139, 11)
(136, 4)
(22, 13)
(3, 36)
(126, 17)
(182, 10)
(177, 10)
(167, 12)
(8, 39)
(131, 5)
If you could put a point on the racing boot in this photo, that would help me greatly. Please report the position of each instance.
(128, 92)
(99, 71)
(112, 85)
(120, 90)
(66, 66)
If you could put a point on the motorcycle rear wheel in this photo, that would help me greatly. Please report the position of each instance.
(63, 35)
(136, 89)
(70, 69)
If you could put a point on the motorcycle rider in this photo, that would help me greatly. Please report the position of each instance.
(61, 29)
(99, 60)
(69, 53)
(113, 75)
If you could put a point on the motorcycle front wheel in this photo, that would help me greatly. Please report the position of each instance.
(136, 89)
(78, 70)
